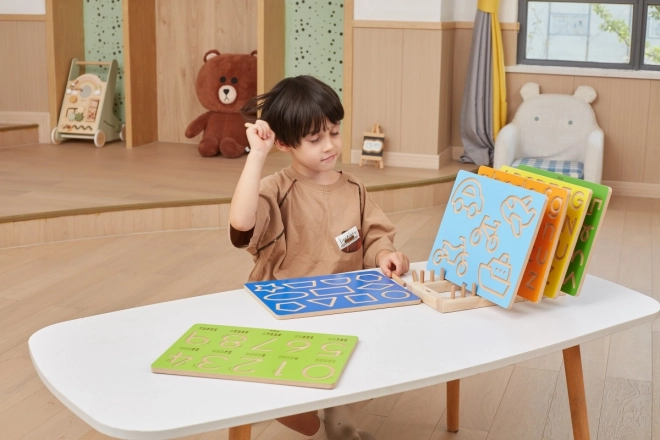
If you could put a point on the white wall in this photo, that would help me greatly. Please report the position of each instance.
(398, 10)
(465, 10)
(447, 10)
(428, 10)
(23, 7)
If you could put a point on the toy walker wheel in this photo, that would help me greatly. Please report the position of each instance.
(99, 138)
(122, 133)
(55, 137)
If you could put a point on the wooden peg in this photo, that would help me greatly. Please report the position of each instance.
(453, 291)
(432, 275)
(442, 274)
(463, 290)
(414, 275)
(421, 276)
(398, 280)
(474, 289)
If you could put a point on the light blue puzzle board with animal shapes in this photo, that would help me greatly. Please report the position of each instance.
(486, 236)
(329, 294)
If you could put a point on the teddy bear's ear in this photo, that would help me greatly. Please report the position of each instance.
(585, 92)
(254, 52)
(529, 90)
(210, 54)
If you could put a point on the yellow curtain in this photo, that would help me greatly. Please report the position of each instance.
(490, 6)
(499, 82)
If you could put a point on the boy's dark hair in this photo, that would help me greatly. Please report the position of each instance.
(296, 107)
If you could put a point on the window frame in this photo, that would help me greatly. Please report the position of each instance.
(637, 37)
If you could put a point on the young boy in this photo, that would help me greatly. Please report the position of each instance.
(307, 219)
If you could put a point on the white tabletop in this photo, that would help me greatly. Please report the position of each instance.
(99, 367)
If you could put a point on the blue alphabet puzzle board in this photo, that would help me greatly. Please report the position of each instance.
(486, 236)
(329, 294)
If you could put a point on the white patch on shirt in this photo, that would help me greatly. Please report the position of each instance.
(347, 238)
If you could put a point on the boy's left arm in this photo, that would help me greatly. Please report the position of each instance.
(378, 241)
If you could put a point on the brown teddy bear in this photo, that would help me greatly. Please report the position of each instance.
(224, 84)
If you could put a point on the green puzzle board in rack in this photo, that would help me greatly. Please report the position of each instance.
(304, 359)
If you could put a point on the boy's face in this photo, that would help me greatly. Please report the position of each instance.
(318, 152)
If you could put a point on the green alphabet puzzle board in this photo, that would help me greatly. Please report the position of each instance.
(304, 359)
(577, 269)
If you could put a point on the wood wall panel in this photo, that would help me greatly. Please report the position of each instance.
(446, 89)
(185, 31)
(377, 84)
(139, 18)
(65, 41)
(462, 43)
(622, 112)
(420, 88)
(347, 94)
(23, 77)
(510, 46)
(652, 156)
(271, 19)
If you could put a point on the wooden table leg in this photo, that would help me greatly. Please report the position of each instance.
(240, 432)
(453, 399)
(576, 397)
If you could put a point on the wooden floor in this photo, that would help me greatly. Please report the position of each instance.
(45, 284)
(76, 175)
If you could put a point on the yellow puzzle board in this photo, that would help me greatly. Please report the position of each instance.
(576, 210)
(538, 266)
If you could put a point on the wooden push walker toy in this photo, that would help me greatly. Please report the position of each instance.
(87, 107)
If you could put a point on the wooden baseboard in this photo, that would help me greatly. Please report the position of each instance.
(12, 136)
(405, 160)
(40, 118)
(634, 189)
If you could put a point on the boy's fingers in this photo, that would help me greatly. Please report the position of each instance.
(400, 264)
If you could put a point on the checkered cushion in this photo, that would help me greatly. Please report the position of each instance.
(565, 167)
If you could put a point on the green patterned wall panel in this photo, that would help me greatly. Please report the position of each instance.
(104, 41)
(314, 40)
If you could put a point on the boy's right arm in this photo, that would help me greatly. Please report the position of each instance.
(243, 208)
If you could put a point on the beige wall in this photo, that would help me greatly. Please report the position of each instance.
(402, 80)
(185, 31)
(23, 75)
(410, 80)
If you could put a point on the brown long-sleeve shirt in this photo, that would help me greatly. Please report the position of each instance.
(297, 222)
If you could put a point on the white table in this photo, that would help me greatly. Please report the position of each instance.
(99, 366)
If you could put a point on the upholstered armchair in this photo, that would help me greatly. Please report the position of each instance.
(554, 132)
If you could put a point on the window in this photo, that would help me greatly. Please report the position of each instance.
(619, 34)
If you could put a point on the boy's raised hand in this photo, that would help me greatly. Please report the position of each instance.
(393, 262)
(260, 136)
